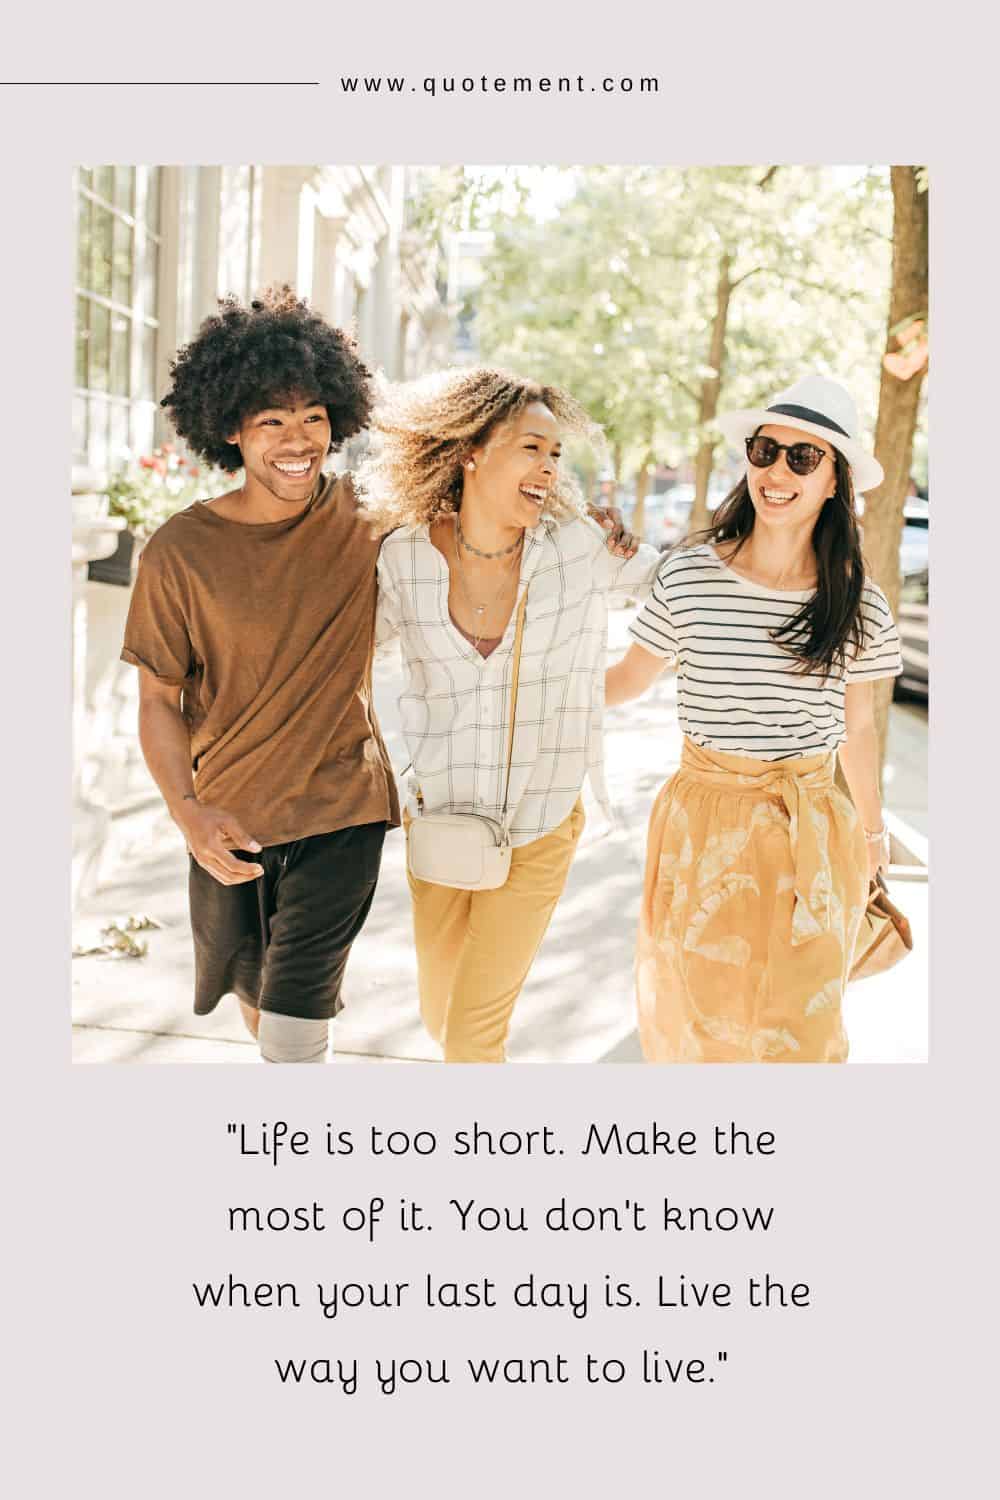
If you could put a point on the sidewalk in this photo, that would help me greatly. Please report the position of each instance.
(578, 1002)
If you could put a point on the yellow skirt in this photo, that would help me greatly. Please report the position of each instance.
(756, 882)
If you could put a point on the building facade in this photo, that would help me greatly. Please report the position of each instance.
(156, 246)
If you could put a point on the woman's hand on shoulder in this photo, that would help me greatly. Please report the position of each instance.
(618, 541)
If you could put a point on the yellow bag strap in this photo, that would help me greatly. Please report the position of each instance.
(518, 637)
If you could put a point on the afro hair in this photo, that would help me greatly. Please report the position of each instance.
(246, 359)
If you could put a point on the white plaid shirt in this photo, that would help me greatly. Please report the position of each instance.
(455, 706)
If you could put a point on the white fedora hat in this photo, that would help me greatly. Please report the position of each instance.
(818, 406)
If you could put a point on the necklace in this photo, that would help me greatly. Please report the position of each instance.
(504, 552)
(480, 609)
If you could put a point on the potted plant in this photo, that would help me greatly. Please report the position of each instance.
(147, 492)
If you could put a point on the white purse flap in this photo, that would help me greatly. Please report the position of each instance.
(458, 849)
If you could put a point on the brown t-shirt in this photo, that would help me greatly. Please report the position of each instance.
(269, 629)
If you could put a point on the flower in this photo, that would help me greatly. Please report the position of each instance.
(149, 488)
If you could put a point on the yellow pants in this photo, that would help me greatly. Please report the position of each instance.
(474, 948)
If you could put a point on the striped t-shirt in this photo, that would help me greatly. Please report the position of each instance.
(738, 690)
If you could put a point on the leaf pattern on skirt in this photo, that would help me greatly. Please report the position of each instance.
(679, 899)
(721, 851)
(772, 1041)
(760, 1042)
(729, 953)
(804, 924)
(728, 969)
(828, 996)
(728, 950)
(768, 814)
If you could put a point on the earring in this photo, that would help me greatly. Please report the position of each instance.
(471, 464)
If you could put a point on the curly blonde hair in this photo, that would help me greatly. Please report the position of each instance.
(423, 432)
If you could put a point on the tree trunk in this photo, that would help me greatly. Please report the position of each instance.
(897, 409)
(709, 403)
(638, 522)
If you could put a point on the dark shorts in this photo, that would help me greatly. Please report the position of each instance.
(281, 942)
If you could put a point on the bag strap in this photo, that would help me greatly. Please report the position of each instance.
(518, 637)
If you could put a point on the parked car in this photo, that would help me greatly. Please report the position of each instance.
(913, 605)
(667, 514)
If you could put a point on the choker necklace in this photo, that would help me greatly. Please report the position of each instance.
(504, 552)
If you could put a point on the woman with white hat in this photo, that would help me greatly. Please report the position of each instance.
(758, 867)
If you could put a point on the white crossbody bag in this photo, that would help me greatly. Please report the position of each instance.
(467, 850)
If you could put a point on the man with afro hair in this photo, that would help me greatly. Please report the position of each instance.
(252, 624)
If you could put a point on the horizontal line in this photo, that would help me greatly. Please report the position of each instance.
(159, 83)
(177, 1036)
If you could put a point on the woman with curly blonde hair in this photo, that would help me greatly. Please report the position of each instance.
(465, 474)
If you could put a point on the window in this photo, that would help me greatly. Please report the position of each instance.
(239, 230)
(117, 263)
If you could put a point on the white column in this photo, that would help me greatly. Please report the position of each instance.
(95, 535)
(167, 311)
(206, 247)
(327, 283)
(280, 226)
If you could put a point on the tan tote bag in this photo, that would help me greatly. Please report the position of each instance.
(884, 937)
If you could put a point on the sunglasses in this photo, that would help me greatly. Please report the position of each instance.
(801, 458)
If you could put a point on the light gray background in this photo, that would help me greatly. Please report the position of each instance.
(118, 1177)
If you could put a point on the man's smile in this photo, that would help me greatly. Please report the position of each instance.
(293, 468)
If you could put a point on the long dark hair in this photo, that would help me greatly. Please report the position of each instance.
(821, 632)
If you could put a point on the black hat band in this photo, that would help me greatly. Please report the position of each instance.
(807, 414)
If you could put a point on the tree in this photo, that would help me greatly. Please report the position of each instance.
(902, 377)
(657, 291)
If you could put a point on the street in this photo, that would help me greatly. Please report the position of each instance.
(578, 1003)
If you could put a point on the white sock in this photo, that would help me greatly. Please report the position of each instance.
(291, 1039)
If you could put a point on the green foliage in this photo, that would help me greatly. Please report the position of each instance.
(150, 489)
(615, 296)
(448, 199)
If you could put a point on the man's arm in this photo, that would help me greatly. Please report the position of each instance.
(210, 832)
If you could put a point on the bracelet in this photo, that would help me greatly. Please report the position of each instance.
(877, 836)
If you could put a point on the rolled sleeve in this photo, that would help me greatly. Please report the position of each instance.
(880, 656)
(387, 615)
(652, 627)
(156, 632)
